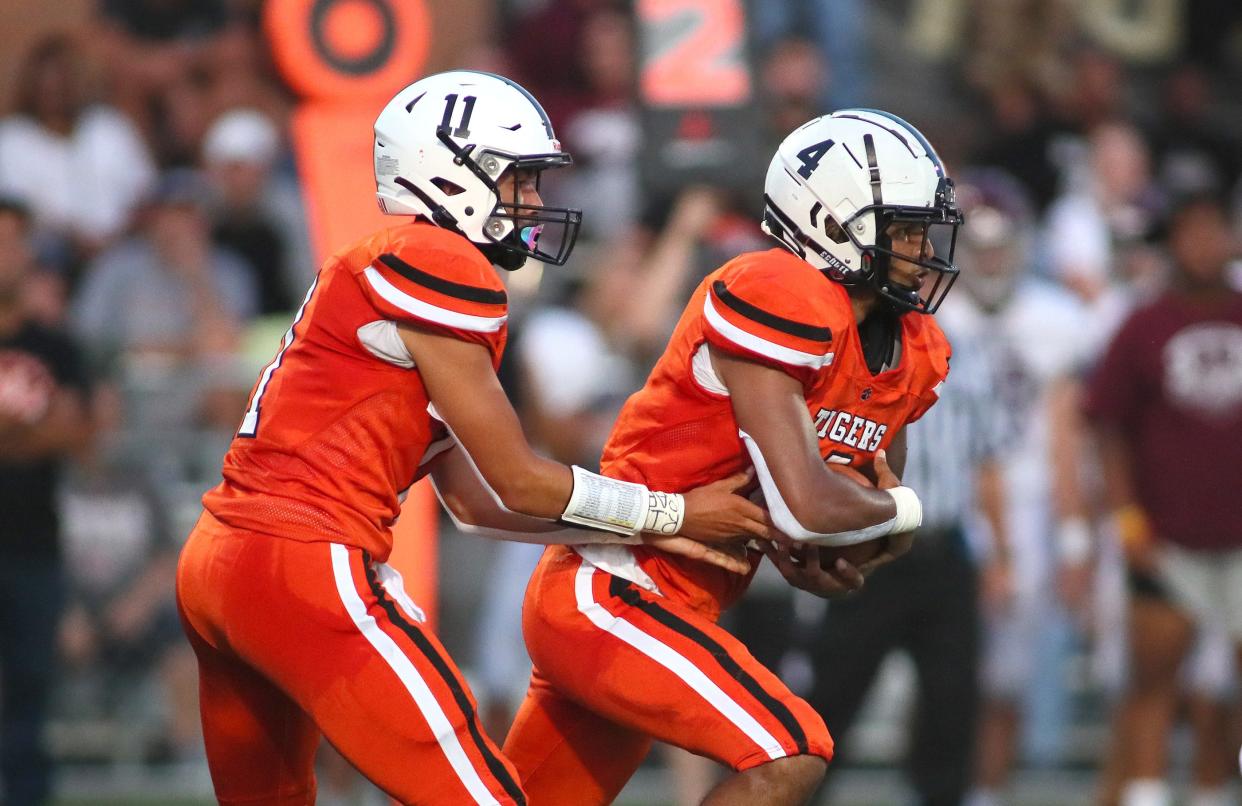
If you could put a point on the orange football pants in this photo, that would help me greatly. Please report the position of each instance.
(294, 639)
(616, 666)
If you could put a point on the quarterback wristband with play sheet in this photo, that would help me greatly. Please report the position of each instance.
(619, 506)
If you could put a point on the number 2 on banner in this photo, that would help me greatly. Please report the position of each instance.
(250, 422)
(693, 53)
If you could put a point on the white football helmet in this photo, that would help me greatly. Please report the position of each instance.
(838, 182)
(442, 143)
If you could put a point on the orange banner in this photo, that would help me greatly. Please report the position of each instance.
(693, 53)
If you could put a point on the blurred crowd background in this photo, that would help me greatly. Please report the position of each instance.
(152, 224)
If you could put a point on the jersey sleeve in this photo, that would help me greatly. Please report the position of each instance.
(447, 290)
(935, 373)
(773, 315)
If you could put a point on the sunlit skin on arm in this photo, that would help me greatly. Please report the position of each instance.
(769, 406)
(470, 501)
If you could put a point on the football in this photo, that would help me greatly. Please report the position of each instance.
(858, 553)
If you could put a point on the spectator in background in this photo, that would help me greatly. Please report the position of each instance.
(1166, 403)
(644, 277)
(174, 65)
(80, 167)
(1020, 137)
(42, 422)
(184, 290)
(121, 629)
(1097, 230)
(839, 30)
(795, 77)
(603, 133)
(150, 49)
(163, 311)
(1193, 145)
(257, 214)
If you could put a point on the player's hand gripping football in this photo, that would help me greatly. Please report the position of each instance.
(898, 544)
(718, 523)
(799, 564)
(719, 513)
(808, 568)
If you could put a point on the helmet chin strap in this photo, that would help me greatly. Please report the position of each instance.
(900, 298)
(504, 255)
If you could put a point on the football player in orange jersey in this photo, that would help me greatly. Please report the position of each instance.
(819, 351)
(299, 626)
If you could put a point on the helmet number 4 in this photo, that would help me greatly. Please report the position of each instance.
(809, 156)
(450, 102)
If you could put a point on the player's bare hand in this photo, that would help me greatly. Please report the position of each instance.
(716, 513)
(895, 546)
(799, 564)
(885, 478)
(729, 556)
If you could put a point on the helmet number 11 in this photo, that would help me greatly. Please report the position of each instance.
(450, 102)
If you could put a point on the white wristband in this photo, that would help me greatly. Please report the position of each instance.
(603, 503)
(665, 513)
(622, 506)
(909, 510)
(1074, 541)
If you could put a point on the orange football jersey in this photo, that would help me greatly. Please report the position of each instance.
(338, 423)
(678, 431)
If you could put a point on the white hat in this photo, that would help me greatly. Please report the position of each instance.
(241, 135)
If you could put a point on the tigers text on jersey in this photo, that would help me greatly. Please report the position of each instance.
(338, 422)
(678, 431)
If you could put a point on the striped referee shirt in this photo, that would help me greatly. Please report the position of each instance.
(960, 431)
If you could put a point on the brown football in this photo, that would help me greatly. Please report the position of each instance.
(858, 553)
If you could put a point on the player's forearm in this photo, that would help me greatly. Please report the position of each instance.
(535, 486)
(838, 506)
(808, 502)
(477, 509)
